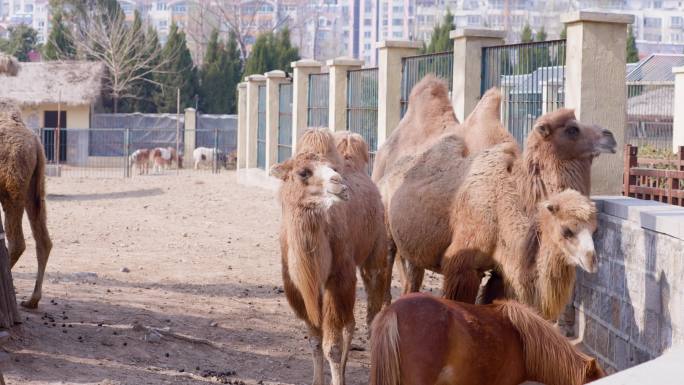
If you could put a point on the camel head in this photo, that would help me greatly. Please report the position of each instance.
(310, 180)
(568, 219)
(570, 138)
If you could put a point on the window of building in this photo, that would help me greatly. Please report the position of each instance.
(676, 37)
(28, 8)
(367, 34)
(367, 22)
(180, 8)
(398, 9)
(496, 4)
(127, 8)
(162, 23)
(473, 20)
(161, 6)
(652, 22)
(397, 22)
(657, 4)
(652, 36)
(677, 21)
(397, 34)
(367, 46)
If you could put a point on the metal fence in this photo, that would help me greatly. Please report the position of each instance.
(261, 129)
(650, 114)
(414, 68)
(317, 114)
(531, 77)
(284, 122)
(362, 108)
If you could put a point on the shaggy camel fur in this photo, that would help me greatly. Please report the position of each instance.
(8, 65)
(22, 187)
(424, 340)
(332, 223)
(558, 155)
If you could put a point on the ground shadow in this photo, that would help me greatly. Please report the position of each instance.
(142, 193)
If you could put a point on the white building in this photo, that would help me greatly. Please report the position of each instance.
(30, 12)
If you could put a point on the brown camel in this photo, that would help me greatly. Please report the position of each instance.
(421, 339)
(419, 183)
(22, 187)
(332, 223)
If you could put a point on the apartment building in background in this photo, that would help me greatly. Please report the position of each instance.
(35, 13)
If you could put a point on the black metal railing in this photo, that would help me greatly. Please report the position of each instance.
(261, 129)
(650, 114)
(531, 77)
(362, 108)
(284, 122)
(414, 68)
(317, 111)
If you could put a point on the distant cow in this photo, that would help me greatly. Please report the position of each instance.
(140, 159)
(206, 156)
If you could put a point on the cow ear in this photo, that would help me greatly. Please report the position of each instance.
(281, 170)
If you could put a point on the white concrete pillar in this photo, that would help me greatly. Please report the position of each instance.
(595, 87)
(253, 83)
(273, 81)
(390, 53)
(337, 102)
(242, 126)
(467, 79)
(189, 134)
(678, 110)
(301, 70)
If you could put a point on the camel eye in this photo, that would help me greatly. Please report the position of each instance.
(304, 173)
(567, 233)
(572, 131)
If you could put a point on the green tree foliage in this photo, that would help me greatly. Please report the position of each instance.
(146, 90)
(440, 40)
(540, 35)
(22, 40)
(632, 51)
(271, 51)
(60, 44)
(220, 74)
(179, 73)
(526, 34)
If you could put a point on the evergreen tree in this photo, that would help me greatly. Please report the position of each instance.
(271, 52)
(632, 51)
(221, 72)
(60, 44)
(180, 73)
(440, 40)
(286, 52)
(22, 40)
(540, 35)
(149, 88)
(526, 34)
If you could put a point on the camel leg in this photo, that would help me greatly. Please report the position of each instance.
(38, 221)
(411, 276)
(15, 234)
(338, 322)
(376, 280)
(317, 352)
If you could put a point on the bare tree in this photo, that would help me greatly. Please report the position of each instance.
(129, 57)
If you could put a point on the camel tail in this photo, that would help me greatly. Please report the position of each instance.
(541, 342)
(38, 180)
(385, 359)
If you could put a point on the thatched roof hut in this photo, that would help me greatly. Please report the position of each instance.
(73, 83)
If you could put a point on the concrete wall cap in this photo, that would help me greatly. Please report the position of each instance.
(477, 32)
(275, 74)
(398, 44)
(242, 85)
(255, 78)
(651, 215)
(678, 70)
(345, 61)
(189, 109)
(305, 63)
(597, 17)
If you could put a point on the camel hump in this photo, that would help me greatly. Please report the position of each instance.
(482, 129)
(352, 148)
(430, 86)
(319, 141)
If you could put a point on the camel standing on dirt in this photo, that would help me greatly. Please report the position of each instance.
(421, 339)
(332, 222)
(419, 182)
(22, 187)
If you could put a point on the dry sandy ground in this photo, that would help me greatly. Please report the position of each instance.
(204, 268)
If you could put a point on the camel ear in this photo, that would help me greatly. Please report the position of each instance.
(553, 208)
(280, 170)
(544, 129)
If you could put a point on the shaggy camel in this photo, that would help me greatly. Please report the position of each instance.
(22, 187)
(332, 223)
(461, 344)
(558, 155)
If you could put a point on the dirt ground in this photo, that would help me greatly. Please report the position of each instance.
(169, 279)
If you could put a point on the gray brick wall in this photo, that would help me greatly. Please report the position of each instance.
(632, 310)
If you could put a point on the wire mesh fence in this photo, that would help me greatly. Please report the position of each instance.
(362, 108)
(261, 129)
(284, 122)
(414, 68)
(317, 111)
(531, 77)
(650, 114)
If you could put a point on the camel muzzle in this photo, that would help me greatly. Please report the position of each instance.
(340, 190)
(606, 143)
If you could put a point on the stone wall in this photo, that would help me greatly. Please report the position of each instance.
(632, 310)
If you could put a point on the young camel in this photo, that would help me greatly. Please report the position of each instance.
(332, 223)
(22, 187)
(558, 155)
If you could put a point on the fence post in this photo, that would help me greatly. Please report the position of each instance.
(242, 126)
(189, 132)
(337, 101)
(127, 152)
(467, 78)
(273, 81)
(595, 67)
(300, 96)
(678, 123)
(253, 83)
(630, 154)
(215, 163)
(390, 53)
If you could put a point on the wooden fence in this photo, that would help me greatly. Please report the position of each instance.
(654, 179)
